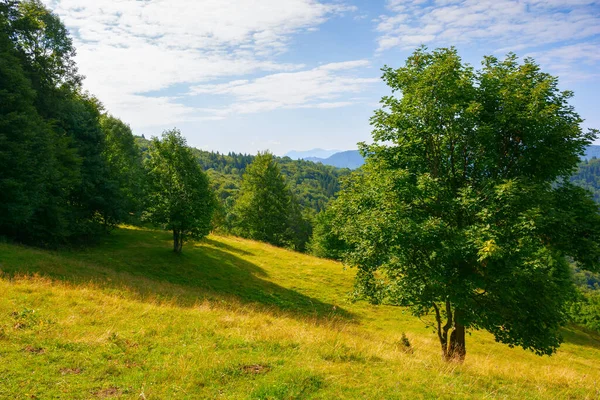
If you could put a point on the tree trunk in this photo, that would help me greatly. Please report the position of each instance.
(176, 239)
(453, 348)
(457, 350)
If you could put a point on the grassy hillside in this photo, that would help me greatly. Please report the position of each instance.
(235, 319)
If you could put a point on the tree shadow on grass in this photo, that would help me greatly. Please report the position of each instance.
(209, 270)
(226, 247)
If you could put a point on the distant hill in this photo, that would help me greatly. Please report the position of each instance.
(308, 154)
(344, 159)
(592, 151)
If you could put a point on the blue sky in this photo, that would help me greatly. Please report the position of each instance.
(249, 75)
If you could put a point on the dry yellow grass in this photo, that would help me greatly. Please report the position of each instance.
(236, 319)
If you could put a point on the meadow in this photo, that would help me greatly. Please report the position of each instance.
(236, 319)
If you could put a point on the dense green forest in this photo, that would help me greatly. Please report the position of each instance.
(588, 177)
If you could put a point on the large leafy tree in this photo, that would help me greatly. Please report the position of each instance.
(178, 195)
(464, 209)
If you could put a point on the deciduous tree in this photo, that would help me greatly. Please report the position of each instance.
(464, 209)
(178, 195)
(266, 209)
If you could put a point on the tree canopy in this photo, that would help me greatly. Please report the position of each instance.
(464, 208)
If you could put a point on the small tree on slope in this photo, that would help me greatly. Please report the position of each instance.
(463, 209)
(179, 196)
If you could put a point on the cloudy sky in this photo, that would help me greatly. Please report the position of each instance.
(248, 75)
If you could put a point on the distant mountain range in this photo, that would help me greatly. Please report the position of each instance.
(344, 159)
(314, 153)
(340, 159)
(352, 158)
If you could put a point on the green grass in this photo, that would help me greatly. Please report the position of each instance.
(236, 319)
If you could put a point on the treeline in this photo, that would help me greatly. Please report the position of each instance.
(313, 184)
(263, 197)
(267, 198)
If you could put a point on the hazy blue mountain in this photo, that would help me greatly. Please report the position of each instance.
(591, 152)
(343, 159)
(308, 154)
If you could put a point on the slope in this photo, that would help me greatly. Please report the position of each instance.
(237, 319)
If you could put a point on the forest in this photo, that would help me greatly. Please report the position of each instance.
(456, 214)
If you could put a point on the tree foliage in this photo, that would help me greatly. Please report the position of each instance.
(313, 184)
(325, 242)
(178, 196)
(457, 212)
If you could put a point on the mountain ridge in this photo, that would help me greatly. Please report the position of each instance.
(314, 153)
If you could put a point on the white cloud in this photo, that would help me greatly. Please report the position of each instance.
(511, 24)
(570, 61)
(130, 47)
(500, 26)
(326, 86)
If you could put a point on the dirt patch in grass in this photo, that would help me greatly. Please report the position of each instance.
(34, 350)
(255, 369)
(70, 371)
(108, 392)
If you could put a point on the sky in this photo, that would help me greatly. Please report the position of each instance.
(282, 75)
